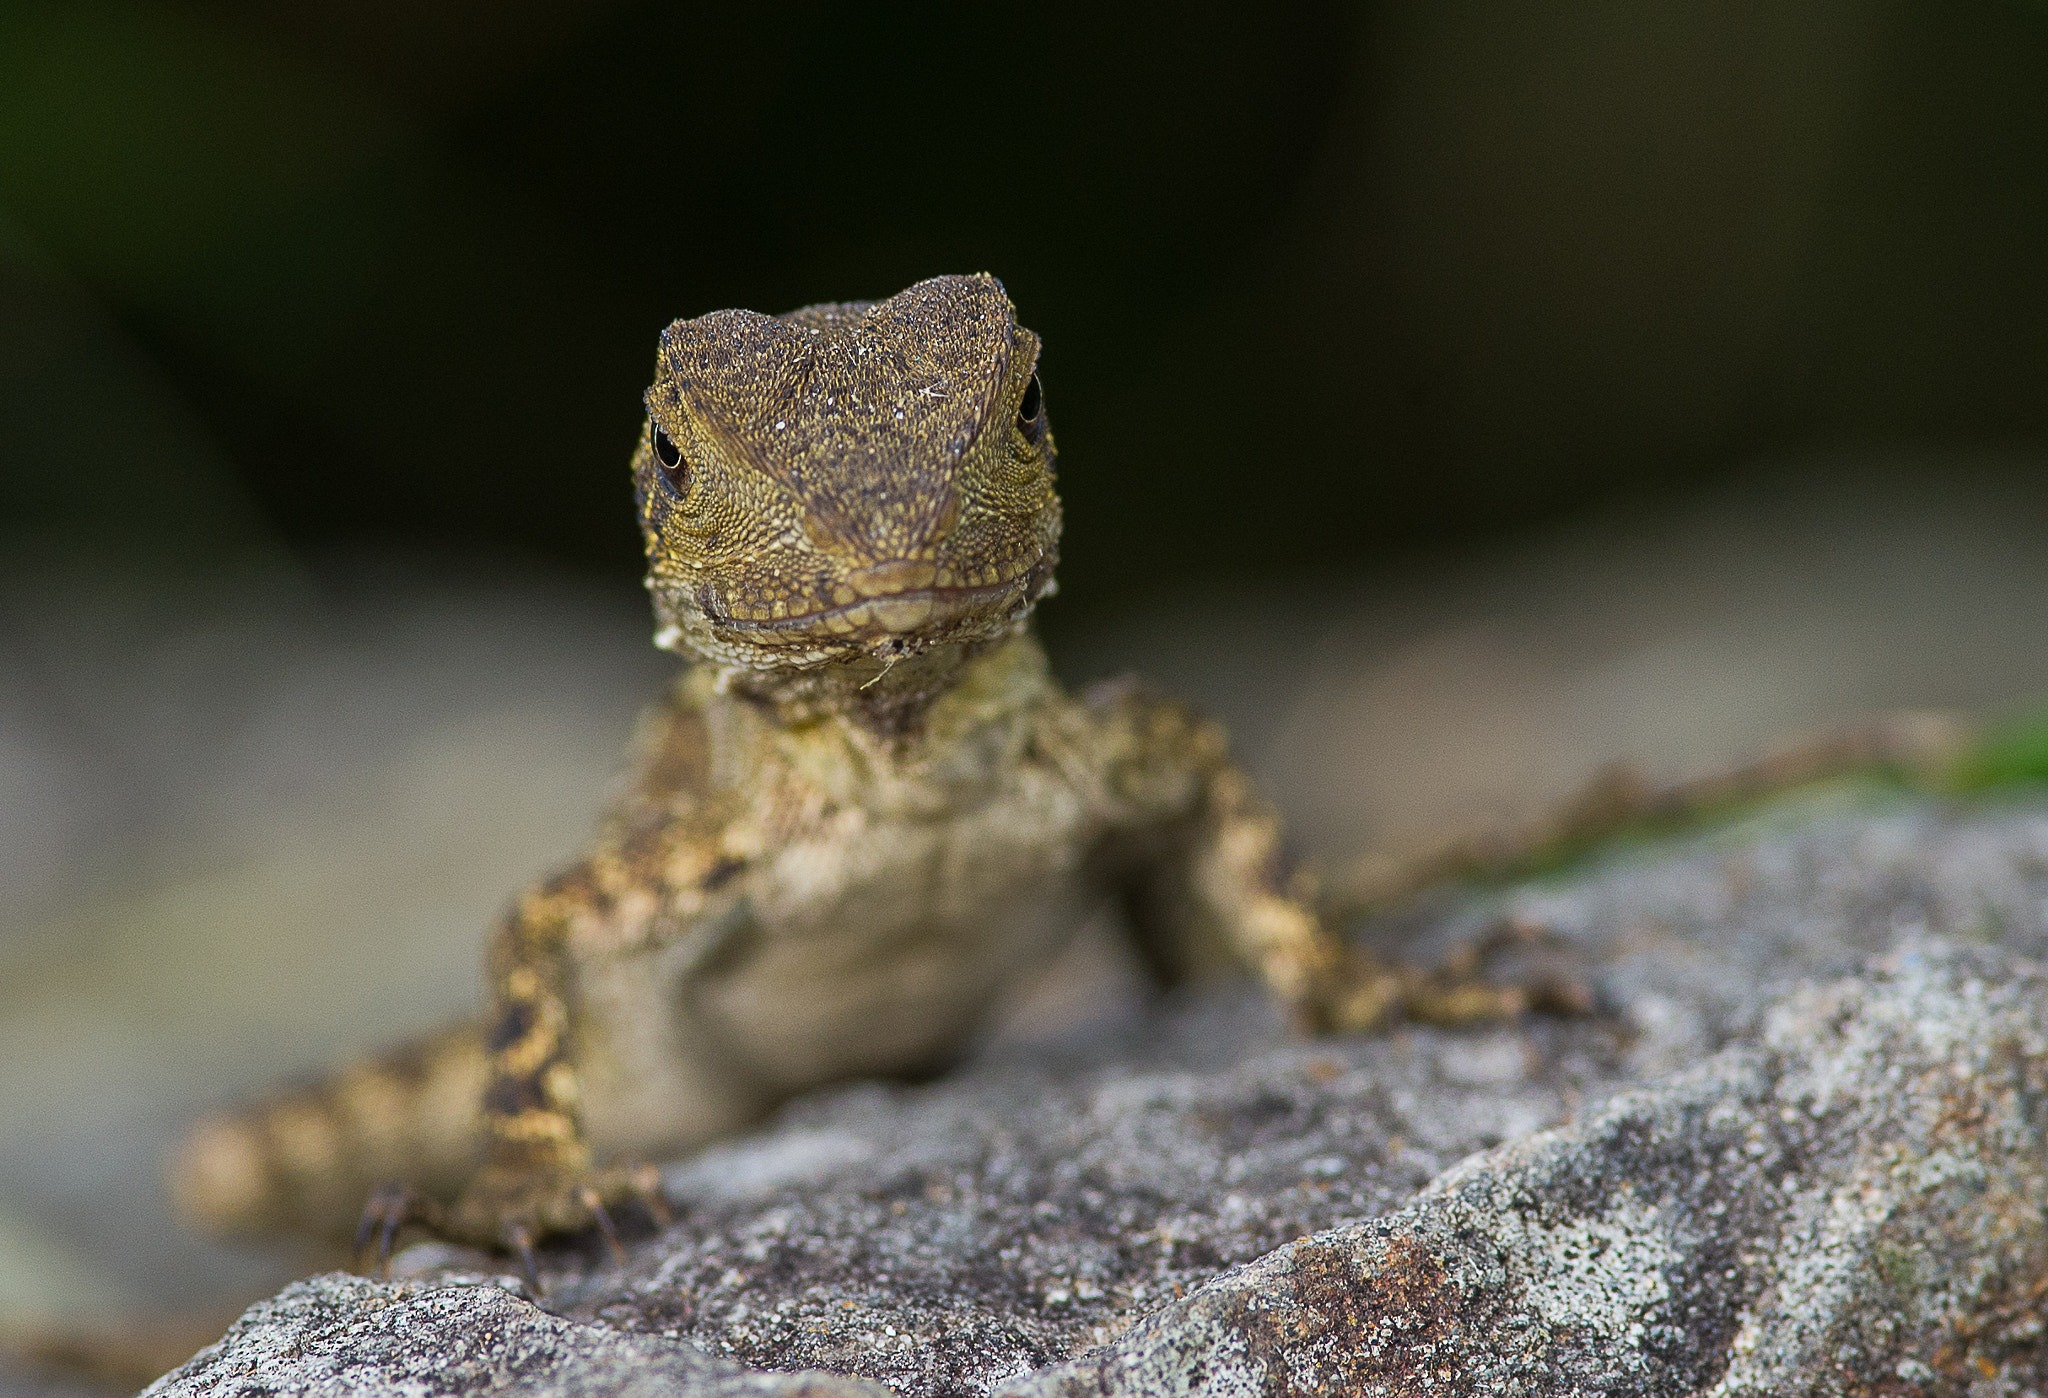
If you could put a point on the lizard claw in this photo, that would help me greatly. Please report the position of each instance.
(520, 1241)
(515, 1209)
(645, 1183)
(392, 1207)
(594, 1201)
(1530, 971)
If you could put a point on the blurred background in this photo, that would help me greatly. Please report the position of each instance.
(1454, 396)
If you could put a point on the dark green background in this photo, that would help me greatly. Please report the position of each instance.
(1320, 283)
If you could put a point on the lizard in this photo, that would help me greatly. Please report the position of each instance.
(864, 812)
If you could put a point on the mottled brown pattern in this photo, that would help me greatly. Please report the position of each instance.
(864, 814)
(1349, 1329)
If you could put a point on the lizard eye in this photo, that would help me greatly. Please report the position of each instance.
(1031, 411)
(670, 458)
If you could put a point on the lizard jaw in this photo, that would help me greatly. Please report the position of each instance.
(886, 624)
(879, 617)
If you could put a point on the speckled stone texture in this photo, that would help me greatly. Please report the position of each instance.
(1722, 1182)
(1855, 1205)
(342, 1335)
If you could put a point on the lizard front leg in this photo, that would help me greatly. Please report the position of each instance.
(1214, 879)
(540, 1172)
(538, 1175)
(490, 1115)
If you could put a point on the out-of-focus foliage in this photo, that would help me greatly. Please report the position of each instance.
(1318, 280)
(2014, 754)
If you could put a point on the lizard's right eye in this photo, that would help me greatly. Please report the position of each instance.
(1031, 412)
(670, 458)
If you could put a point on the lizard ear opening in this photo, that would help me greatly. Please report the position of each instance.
(1031, 411)
(669, 457)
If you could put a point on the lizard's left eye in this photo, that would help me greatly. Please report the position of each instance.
(670, 458)
(1031, 411)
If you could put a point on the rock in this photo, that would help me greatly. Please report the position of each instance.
(1858, 1204)
(341, 1335)
(949, 1238)
(1845, 1190)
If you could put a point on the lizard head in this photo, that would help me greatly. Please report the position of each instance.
(847, 485)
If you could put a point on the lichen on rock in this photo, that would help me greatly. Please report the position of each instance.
(1802, 1149)
(1857, 1204)
(344, 1335)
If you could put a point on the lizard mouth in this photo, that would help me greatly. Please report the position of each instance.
(886, 612)
(930, 609)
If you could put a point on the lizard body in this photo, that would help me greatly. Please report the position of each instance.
(862, 815)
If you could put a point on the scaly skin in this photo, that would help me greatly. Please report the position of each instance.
(864, 812)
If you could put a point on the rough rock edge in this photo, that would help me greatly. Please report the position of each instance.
(1858, 1204)
(343, 1335)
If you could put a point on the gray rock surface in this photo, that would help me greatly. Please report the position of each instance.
(1818, 1190)
(339, 1334)
(1857, 1204)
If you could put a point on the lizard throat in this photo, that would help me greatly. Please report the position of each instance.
(889, 696)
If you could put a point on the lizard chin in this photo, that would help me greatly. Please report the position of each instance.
(886, 689)
(885, 628)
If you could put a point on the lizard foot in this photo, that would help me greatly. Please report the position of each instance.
(1465, 989)
(513, 1209)
(391, 1208)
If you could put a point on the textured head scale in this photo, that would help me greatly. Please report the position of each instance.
(847, 483)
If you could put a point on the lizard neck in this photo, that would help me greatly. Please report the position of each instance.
(897, 701)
